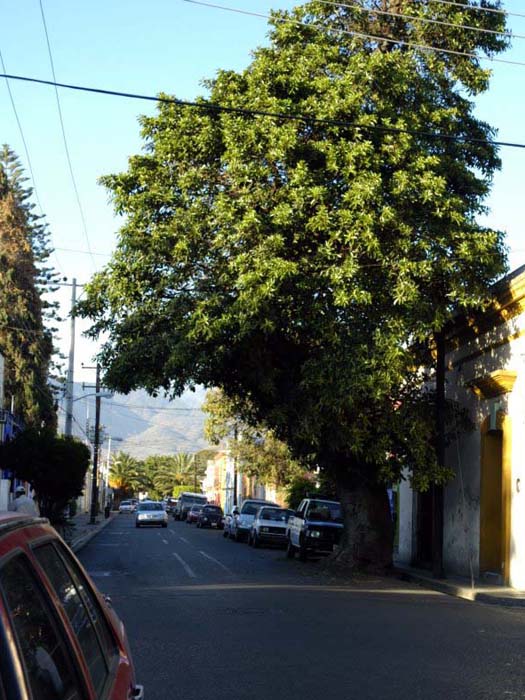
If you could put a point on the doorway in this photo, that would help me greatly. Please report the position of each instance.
(495, 500)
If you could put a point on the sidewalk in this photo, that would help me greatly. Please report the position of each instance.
(81, 532)
(463, 587)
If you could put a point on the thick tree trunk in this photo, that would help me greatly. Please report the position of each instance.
(367, 540)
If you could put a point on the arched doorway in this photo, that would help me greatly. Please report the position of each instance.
(495, 480)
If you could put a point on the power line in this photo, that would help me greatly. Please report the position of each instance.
(153, 408)
(26, 149)
(241, 111)
(84, 252)
(424, 20)
(64, 137)
(359, 35)
(478, 9)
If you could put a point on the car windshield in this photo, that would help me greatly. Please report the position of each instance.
(325, 511)
(196, 499)
(151, 506)
(125, 503)
(276, 514)
(250, 508)
(196, 508)
(212, 509)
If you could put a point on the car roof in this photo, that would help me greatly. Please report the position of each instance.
(261, 501)
(12, 521)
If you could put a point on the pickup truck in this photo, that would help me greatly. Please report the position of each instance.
(316, 527)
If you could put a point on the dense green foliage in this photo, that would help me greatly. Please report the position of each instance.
(303, 265)
(24, 341)
(257, 451)
(55, 466)
(157, 475)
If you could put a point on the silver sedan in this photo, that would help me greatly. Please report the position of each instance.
(151, 513)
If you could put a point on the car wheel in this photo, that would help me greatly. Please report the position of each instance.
(256, 541)
(164, 524)
(290, 549)
(250, 540)
(137, 525)
(225, 533)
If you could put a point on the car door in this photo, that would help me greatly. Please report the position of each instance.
(93, 631)
(297, 522)
(39, 645)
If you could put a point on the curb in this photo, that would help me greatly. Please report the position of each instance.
(80, 542)
(437, 585)
(464, 592)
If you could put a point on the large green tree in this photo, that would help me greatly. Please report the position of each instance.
(302, 264)
(256, 449)
(24, 275)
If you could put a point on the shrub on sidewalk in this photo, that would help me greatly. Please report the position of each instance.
(54, 465)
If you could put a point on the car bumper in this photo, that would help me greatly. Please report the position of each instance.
(275, 537)
(152, 523)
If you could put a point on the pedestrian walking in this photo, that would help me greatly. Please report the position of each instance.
(22, 503)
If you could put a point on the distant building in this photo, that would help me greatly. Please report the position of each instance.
(484, 505)
(218, 484)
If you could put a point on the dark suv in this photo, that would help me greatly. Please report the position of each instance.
(59, 637)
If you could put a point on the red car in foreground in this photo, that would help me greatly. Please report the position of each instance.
(59, 637)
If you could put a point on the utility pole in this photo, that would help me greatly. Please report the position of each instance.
(68, 428)
(96, 442)
(235, 433)
(437, 491)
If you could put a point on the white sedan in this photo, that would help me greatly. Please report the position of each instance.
(151, 513)
(269, 526)
(126, 507)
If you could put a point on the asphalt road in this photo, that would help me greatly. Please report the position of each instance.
(211, 619)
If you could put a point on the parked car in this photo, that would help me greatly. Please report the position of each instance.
(170, 505)
(228, 520)
(126, 507)
(194, 512)
(269, 526)
(316, 526)
(185, 502)
(241, 524)
(59, 637)
(151, 513)
(211, 516)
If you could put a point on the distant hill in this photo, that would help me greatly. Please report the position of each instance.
(146, 425)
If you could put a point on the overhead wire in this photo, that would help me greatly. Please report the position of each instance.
(478, 8)
(64, 136)
(359, 35)
(242, 111)
(26, 150)
(423, 20)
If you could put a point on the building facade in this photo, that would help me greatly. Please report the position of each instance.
(484, 505)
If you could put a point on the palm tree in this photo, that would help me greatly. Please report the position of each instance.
(123, 473)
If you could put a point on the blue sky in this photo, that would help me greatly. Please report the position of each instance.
(170, 46)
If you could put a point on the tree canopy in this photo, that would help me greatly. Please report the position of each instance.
(301, 264)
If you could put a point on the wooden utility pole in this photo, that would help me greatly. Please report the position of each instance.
(68, 427)
(96, 443)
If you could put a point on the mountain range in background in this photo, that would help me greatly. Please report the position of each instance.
(140, 424)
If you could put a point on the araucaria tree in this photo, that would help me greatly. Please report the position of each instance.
(299, 260)
(24, 341)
